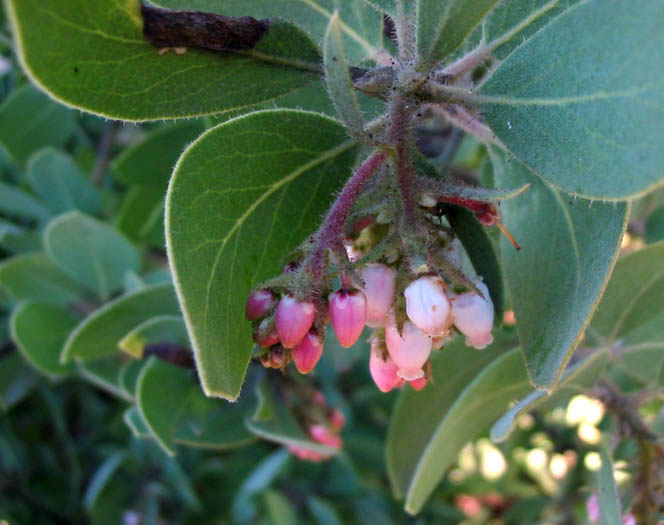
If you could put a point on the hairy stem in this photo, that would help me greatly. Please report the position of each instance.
(331, 232)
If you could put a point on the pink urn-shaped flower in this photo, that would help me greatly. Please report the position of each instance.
(418, 384)
(382, 368)
(409, 350)
(259, 303)
(473, 316)
(428, 306)
(293, 320)
(379, 286)
(307, 353)
(348, 313)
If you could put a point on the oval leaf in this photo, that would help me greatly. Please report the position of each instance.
(34, 277)
(557, 279)
(470, 391)
(61, 184)
(170, 328)
(98, 335)
(39, 331)
(132, 81)
(91, 252)
(562, 121)
(241, 197)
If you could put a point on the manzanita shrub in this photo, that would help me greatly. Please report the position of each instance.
(380, 234)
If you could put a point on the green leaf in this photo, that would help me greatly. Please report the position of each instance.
(577, 379)
(339, 85)
(362, 25)
(470, 391)
(128, 376)
(225, 234)
(132, 417)
(39, 331)
(279, 509)
(102, 476)
(170, 328)
(15, 202)
(634, 296)
(105, 373)
(514, 21)
(61, 184)
(15, 239)
(162, 394)
(175, 411)
(98, 335)
(273, 421)
(97, 59)
(569, 248)
(29, 121)
(35, 277)
(607, 492)
(475, 239)
(91, 252)
(443, 26)
(655, 226)
(590, 68)
(16, 380)
(323, 511)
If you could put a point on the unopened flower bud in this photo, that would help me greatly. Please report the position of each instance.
(307, 352)
(418, 384)
(324, 435)
(383, 369)
(293, 320)
(259, 303)
(379, 285)
(279, 357)
(410, 350)
(337, 420)
(265, 334)
(306, 454)
(427, 305)
(473, 316)
(348, 313)
(427, 200)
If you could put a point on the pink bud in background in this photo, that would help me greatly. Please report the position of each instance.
(383, 371)
(324, 435)
(592, 508)
(307, 352)
(379, 285)
(265, 335)
(473, 316)
(629, 519)
(410, 350)
(337, 420)
(348, 313)
(427, 305)
(293, 320)
(259, 303)
(418, 384)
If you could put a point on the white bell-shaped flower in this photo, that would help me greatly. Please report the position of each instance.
(473, 316)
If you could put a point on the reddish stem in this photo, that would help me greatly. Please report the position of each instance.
(331, 231)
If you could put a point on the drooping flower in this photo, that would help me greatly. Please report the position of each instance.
(307, 353)
(473, 316)
(348, 314)
(259, 303)
(293, 320)
(379, 286)
(428, 306)
(265, 334)
(382, 367)
(409, 350)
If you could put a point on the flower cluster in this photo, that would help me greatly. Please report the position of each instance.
(400, 349)
(326, 432)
